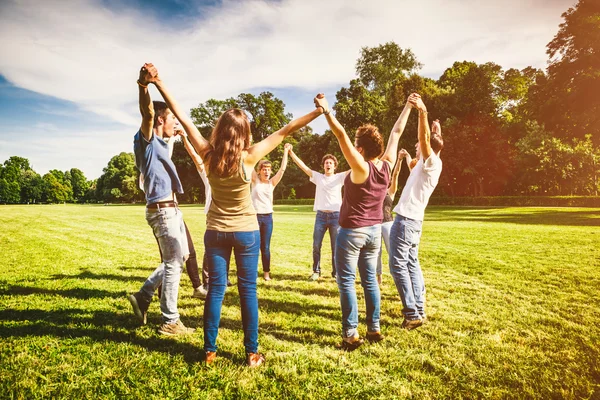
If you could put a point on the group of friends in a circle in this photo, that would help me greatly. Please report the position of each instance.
(239, 189)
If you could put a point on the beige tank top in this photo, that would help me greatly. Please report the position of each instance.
(231, 208)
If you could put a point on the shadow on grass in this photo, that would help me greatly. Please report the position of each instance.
(90, 275)
(76, 293)
(525, 216)
(74, 323)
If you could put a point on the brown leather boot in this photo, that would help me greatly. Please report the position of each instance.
(210, 357)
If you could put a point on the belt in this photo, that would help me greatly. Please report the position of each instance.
(161, 204)
(327, 211)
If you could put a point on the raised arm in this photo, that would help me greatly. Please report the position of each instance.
(200, 144)
(392, 146)
(358, 166)
(408, 160)
(424, 132)
(300, 163)
(396, 172)
(277, 177)
(192, 152)
(146, 107)
(265, 146)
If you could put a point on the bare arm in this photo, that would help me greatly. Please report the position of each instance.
(392, 146)
(193, 155)
(146, 107)
(358, 166)
(408, 160)
(396, 172)
(277, 177)
(200, 144)
(300, 164)
(424, 132)
(265, 146)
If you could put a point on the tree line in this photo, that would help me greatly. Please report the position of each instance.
(507, 132)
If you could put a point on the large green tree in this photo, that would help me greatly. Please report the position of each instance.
(569, 101)
(266, 111)
(119, 180)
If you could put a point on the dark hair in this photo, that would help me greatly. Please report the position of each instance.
(370, 140)
(160, 110)
(436, 141)
(330, 157)
(230, 136)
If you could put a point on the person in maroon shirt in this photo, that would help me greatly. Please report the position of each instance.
(359, 237)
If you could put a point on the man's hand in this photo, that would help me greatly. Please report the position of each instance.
(402, 154)
(143, 72)
(148, 74)
(412, 97)
(436, 127)
(321, 101)
(287, 147)
(417, 102)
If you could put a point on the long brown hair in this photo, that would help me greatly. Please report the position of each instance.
(229, 137)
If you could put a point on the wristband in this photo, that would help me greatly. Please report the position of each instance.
(326, 112)
(144, 86)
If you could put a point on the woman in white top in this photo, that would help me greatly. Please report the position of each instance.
(262, 199)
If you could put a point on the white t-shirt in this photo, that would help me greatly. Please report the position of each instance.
(420, 184)
(262, 197)
(207, 192)
(328, 196)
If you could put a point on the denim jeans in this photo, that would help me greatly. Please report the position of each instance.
(358, 247)
(265, 227)
(169, 229)
(191, 265)
(385, 234)
(404, 266)
(324, 221)
(218, 247)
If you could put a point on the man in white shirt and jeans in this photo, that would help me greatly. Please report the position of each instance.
(405, 233)
(328, 200)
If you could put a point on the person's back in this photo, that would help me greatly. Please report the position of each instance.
(231, 207)
(419, 186)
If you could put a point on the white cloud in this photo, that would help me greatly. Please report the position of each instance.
(85, 53)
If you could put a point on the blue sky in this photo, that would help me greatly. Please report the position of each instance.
(68, 68)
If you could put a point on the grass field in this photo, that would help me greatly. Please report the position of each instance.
(513, 304)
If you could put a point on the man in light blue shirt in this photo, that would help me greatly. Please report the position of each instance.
(161, 183)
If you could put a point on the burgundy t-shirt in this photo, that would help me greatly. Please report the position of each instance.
(363, 204)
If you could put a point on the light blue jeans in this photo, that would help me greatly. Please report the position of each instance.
(169, 230)
(323, 222)
(358, 247)
(405, 236)
(218, 247)
(385, 234)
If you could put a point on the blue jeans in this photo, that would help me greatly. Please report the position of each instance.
(265, 227)
(358, 247)
(324, 221)
(218, 247)
(385, 234)
(405, 236)
(170, 232)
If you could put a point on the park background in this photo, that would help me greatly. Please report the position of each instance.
(513, 292)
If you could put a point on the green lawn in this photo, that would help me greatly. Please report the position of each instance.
(513, 303)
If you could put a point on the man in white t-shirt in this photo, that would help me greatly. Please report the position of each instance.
(405, 233)
(328, 200)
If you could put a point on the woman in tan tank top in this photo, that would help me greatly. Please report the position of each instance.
(231, 223)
